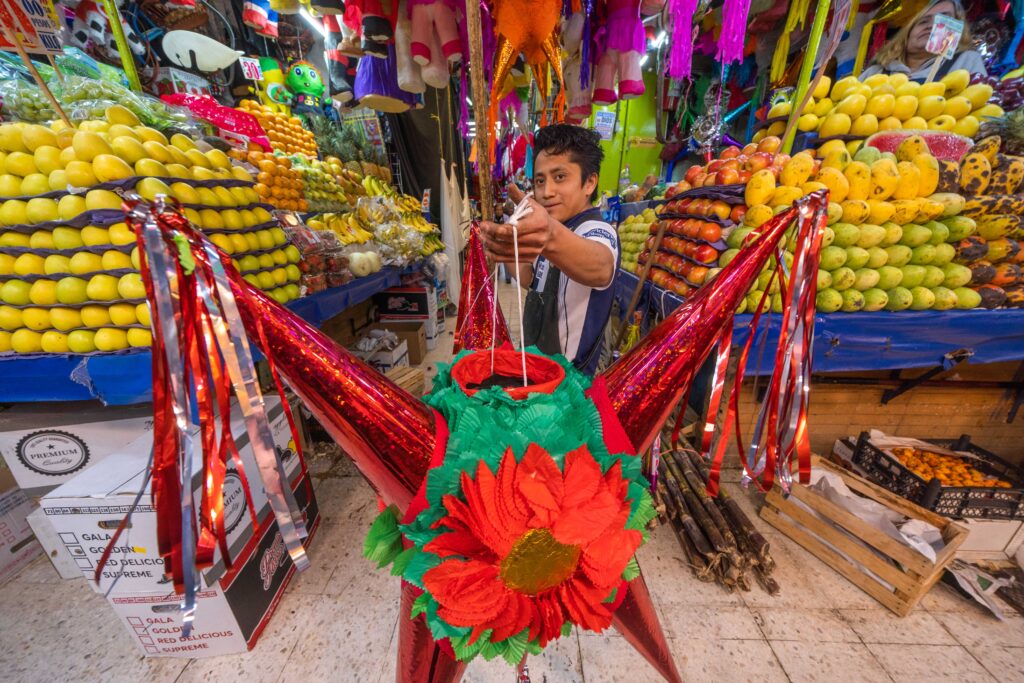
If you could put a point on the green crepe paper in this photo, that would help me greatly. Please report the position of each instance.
(481, 428)
(383, 541)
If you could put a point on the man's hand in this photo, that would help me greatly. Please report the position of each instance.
(535, 232)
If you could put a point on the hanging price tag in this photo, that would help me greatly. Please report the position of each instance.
(32, 22)
(251, 68)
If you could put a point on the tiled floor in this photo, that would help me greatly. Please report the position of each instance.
(337, 622)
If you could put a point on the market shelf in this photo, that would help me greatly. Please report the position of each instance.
(850, 342)
(124, 377)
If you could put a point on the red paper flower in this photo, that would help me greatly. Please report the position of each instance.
(533, 547)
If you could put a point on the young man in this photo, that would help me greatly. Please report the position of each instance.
(567, 253)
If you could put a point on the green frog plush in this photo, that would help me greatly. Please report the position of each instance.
(306, 86)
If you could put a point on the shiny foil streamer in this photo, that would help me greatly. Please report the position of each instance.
(481, 324)
(645, 383)
(420, 658)
(389, 434)
(638, 623)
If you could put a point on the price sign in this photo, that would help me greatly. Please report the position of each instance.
(33, 22)
(945, 36)
(251, 68)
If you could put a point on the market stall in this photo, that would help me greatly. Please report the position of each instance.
(232, 214)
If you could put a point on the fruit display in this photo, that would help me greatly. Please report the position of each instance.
(633, 233)
(277, 182)
(285, 133)
(695, 225)
(346, 226)
(1007, 92)
(69, 279)
(991, 182)
(321, 189)
(950, 470)
(734, 166)
(853, 109)
(891, 237)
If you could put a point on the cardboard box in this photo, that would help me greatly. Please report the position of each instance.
(414, 333)
(18, 547)
(407, 303)
(47, 444)
(173, 80)
(346, 327)
(384, 359)
(52, 547)
(86, 511)
(991, 539)
(232, 613)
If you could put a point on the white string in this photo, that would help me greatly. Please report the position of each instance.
(523, 208)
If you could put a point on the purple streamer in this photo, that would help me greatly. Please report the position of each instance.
(734, 31)
(680, 55)
(586, 49)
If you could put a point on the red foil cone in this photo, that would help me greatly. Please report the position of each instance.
(420, 658)
(645, 384)
(477, 327)
(638, 623)
(389, 434)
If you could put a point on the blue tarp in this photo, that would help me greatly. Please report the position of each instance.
(849, 342)
(124, 378)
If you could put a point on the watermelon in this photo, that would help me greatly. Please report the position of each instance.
(942, 145)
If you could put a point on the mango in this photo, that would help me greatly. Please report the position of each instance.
(915, 123)
(864, 125)
(978, 94)
(838, 159)
(928, 168)
(955, 81)
(812, 186)
(904, 107)
(933, 89)
(780, 109)
(910, 181)
(942, 122)
(760, 188)
(858, 177)
(836, 123)
(884, 179)
(890, 123)
(906, 210)
(881, 106)
(992, 111)
(852, 105)
(967, 126)
(821, 89)
(910, 88)
(822, 107)
(957, 107)
(930, 107)
(785, 195)
(797, 170)
(855, 211)
(879, 212)
(837, 184)
(952, 203)
(868, 155)
(844, 86)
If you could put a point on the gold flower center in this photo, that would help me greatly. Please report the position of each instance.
(538, 562)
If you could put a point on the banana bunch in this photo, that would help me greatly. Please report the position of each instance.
(407, 204)
(417, 222)
(346, 226)
(431, 243)
(375, 187)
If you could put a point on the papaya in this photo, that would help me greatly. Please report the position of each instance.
(797, 170)
(1015, 296)
(994, 227)
(993, 205)
(760, 188)
(911, 147)
(1002, 249)
(884, 179)
(982, 272)
(928, 167)
(1006, 274)
(971, 249)
(952, 203)
(975, 173)
(991, 296)
(909, 181)
(837, 184)
(1007, 174)
(949, 176)
(858, 177)
(988, 147)
(855, 211)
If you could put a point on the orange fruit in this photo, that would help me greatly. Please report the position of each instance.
(262, 190)
(265, 178)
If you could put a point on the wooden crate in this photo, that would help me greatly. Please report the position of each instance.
(909, 574)
(410, 379)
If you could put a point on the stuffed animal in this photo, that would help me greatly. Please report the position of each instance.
(624, 43)
(341, 68)
(377, 24)
(578, 97)
(272, 91)
(438, 17)
(91, 27)
(306, 88)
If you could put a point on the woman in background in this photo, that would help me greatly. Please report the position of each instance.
(905, 52)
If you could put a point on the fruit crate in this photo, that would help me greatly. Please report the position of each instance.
(987, 502)
(890, 572)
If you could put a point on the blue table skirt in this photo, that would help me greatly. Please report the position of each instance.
(849, 342)
(124, 377)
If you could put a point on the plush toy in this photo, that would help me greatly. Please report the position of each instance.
(435, 17)
(624, 42)
(410, 74)
(91, 26)
(341, 68)
(376, 24)
(306, 88)
(578, 97)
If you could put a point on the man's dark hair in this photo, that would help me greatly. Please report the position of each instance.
(582, 144)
